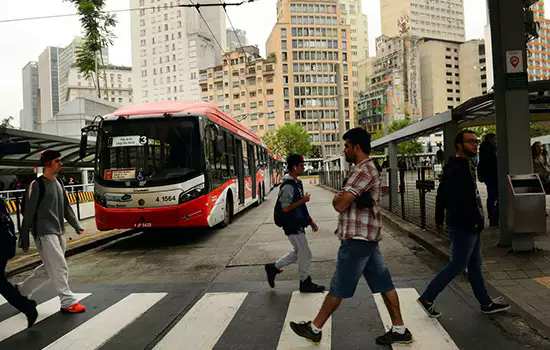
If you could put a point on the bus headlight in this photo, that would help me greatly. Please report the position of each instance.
(192, 193)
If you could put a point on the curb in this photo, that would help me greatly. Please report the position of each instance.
(29, 261)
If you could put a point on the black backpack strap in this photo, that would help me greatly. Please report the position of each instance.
(41, 190)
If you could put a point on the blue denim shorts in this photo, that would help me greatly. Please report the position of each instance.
(356, 258)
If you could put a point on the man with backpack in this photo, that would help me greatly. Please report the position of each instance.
(292, 215)
(47, 205)
(8, 243)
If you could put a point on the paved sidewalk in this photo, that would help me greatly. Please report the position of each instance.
(522, 278)
(75, 243)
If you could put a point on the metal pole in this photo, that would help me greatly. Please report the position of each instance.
(511, 100)
(394, 173)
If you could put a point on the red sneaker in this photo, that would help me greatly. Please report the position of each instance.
(76, 308)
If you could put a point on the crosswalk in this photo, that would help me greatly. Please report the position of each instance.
(206, 322)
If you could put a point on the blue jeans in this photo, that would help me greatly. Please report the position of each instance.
(358, 258)
(466, 252)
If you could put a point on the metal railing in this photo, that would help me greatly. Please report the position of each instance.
(77, 194)
(416, 187)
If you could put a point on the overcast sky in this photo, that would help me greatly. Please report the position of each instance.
(23, 41)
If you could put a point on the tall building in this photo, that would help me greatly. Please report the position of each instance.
(243, 86)
(393, 90)
(67, 61)
(353, 17)
(31, 97)
(434, 19)
(169, 47)
(235, 39)
(48, 83)
(313, 70)
(451, 73)
(538, 50)
(115, 85)
(54, 81)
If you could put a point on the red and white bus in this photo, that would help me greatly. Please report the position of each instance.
(174, 164)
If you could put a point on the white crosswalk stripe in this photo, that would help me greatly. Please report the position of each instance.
(17, 323)
(203, 325)
(427, 332)
(303, 307)
(108, 323)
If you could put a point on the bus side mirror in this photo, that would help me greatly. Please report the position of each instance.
(83, 144)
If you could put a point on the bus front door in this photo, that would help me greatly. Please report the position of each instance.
(240, 170)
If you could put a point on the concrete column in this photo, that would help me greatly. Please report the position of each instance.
(394, 172)
(449, 133)
(511, 101)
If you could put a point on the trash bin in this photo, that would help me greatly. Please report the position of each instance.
(527, 212)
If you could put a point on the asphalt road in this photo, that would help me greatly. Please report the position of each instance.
(206, 289)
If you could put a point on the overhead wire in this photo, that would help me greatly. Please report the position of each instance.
(197, 6)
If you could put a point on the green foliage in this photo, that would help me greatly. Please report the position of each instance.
(97, 27)
(535, 129)
(290, 138)
(407, 147)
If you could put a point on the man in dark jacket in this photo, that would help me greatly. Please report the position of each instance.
(7, 251)
(458, 198)
(292, 201)
(488, 174)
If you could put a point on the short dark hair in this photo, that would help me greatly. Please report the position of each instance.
(293, 159)
(459, 139)
(489, 137)
(359, 136)
(48, 155)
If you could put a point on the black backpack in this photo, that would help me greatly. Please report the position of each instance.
(279, 217)
(8, 240)
(291, 220)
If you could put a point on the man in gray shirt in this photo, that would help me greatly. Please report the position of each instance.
(292, 201)
(47, 205)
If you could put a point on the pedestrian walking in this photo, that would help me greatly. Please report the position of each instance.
(359, 230)
(47, 205)
(488, 174)
(458, 200)
(540, 165)
(8, 242)
(292, 215)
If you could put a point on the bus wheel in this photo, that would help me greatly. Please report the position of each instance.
(228, 214)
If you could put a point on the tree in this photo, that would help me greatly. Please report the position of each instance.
(407, 147)
(290, 138)
(535, 129)
(6, 122)
(97, 26)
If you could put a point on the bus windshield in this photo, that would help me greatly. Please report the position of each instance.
(149, 152)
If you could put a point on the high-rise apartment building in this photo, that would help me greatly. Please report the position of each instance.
(357, 21)
(235, 39)
(538, 50)
(48, 83)
(243, 86)
(434, 19)
(451, 73)
(313, 70)
(169, 47)
(31, 97)
(393, 91)
(54, 81)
